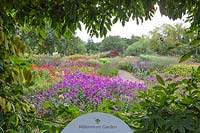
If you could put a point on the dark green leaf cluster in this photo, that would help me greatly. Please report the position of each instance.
(16, 114)
(66, 15)
(170, 108)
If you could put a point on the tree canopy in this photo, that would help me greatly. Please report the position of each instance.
(97, 15)
(112, 43)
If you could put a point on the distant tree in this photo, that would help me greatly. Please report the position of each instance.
(92, 47)
(132, 39)
(114, 42)
(50, 41)
(61, 48)
(75, 46)
(169, 39)
(43, 42)
(141, 46)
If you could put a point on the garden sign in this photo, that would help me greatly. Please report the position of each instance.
(97, 123)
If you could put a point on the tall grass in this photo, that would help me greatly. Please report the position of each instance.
(159, 61)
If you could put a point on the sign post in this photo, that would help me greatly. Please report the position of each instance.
(97, 123)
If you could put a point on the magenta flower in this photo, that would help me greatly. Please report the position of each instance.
(82, 89)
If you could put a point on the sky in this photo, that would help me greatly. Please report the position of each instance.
(131, 28)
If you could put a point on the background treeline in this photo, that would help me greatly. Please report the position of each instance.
(167, 40)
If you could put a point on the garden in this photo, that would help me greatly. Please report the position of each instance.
(49, 76)
(165, 96)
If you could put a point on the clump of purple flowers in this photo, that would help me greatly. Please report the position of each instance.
(165, 77)
(81, 89)
(142, 65)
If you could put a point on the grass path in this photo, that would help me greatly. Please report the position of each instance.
(126, 75)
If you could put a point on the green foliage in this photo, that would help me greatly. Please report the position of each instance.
(139, 47)
(101, 61)
(15, 76)
(33, 59)
(113, 42)
(160, 80)
(74, 46)
(69, 112)
(105, 60)
(48, 42)
(75, 57)
(95, 62)
(16, 114)
(103, 55)
(197, 58)
(132, 40)
(126, 66)
(138, 69)
(170, 108)
(107, 70)
(92, 47)
(66, 20)
(185, 57)
(179, 69)
(169, 40)
(42, 80)
(159, 61)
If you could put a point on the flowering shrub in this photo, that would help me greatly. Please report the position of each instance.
(166, 77)
(170, 107)
(79, 64)
(85, 90)
(113, 53)
(105, 60)
(172, 73)
(52, 62)
(43, 67)
(159, 62)
(44, 77)
(76, 56)
(83, 66)
(73, 69)
(139, 68)
(180, 69)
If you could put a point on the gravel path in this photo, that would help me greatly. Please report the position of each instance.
(126, 75)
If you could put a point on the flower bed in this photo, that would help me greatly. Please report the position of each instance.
(84, 90)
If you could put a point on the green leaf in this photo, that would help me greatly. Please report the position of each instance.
(127, 3)
(14, 120)
(46, 104)
(115, 20)
(53, 129)
(181, 129)
(1, 130)
(108, 26)
(160, 80)
(172, 47)
(79, 26)
(195, 42)
(158, 88)
(185, 57)
(197, 107)
(9, 106)
(178, 44)
(42, 33)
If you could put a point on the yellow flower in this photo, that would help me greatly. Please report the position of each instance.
(61, 96)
